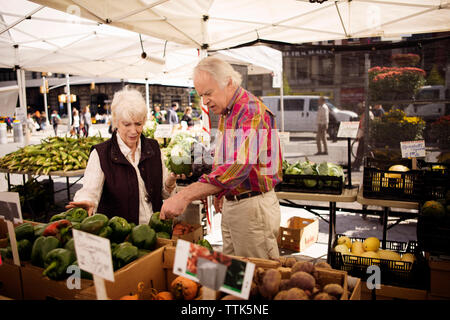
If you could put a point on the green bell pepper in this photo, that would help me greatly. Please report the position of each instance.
(143, 252)
(123, 254)
(160, 225)
(24, 231)
(39, 230)
(56, 263)
(94, 224)
(6, 253)
(76, 214)
(70, 245)
(24, 247)
(120, 228)
(205, 243)
(105, 232)
(163, 235)
(58, 216)
(143, 237)
(41, 247)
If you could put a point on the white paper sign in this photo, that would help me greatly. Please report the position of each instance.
(348, 129)
(413, 149)
(94, 254)
(163, 131)
(276, 80)
(231, 275)
(10, 207)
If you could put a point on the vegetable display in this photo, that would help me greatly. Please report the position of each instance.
(53, 154)
(178, 153)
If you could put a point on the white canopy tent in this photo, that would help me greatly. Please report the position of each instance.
(37, 38)
(219, 24)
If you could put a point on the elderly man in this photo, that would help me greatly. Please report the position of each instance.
(246, 168)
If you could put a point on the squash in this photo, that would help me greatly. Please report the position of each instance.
(164, 295)
(183, 288)
(136, 296)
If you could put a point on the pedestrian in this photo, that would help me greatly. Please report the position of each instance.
(37, 118)
(126, 176)
(187, 117)
(76, 122)
(172, 114)
(360, 136)
(55, 121)
(378, 111)
(86, 120)
(243, 187)
(322, 126)
(31, 124)
(159, 117)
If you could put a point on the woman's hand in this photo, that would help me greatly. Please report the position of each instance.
(86, 205)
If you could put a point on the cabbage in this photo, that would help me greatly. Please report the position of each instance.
(178, 153)
(292, 169)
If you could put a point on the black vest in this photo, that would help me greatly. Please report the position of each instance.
(120, 195)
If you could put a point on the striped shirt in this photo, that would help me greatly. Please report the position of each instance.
(248, 153)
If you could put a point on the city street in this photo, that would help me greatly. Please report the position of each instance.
(300, 147)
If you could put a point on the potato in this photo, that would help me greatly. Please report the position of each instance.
(290, 262)
(302, 280)
(284, 284)
(258, 275)
(231, 297)
(324, 296)
(285, 272)
(323, 264)
(305, 266)
(280, 295)
(270, 284)
(296, 294)
(334, 290)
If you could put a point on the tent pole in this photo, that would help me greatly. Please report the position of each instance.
(282, 102)
(69, 104)
(147, 98)
(45, 100)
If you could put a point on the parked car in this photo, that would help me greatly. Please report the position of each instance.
(433, 110)
(300, 113)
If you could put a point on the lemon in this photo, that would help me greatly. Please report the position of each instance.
(345, 240)
(371, 244)
(389, 255)
(357, 247)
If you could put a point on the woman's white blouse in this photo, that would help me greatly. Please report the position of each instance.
(94, 179)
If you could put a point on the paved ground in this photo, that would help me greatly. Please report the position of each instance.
(300, 146)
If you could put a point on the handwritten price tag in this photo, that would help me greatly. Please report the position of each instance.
(413, 149)
(94, 254)
(163, 131)
(10, 207)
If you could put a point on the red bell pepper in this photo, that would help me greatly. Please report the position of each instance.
(59, 229)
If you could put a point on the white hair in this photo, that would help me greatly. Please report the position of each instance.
(220, 70)
(128, 104)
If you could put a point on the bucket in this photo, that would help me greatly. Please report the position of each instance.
(18, 131)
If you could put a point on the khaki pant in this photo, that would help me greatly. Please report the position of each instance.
(321, 137)
(250, 226)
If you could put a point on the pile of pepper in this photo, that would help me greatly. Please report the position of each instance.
(51, 246)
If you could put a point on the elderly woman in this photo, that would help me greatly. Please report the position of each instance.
(125, 175)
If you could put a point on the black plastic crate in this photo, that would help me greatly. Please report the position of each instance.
(398, 273)
(436, 179)
(433, 232)
(310, 184)
(380, 183)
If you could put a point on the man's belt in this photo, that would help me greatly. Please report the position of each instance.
(231, 197)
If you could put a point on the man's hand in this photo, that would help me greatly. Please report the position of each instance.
(173, 207)
(86, 205)
(218, 203)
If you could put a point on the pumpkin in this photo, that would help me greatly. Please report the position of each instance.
(140, 288)
(164, 295)
(183, 288)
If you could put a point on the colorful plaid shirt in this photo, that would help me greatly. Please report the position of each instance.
(248, 153)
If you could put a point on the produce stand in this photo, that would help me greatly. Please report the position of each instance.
(67, 174)
(386, 205)
(348, 195)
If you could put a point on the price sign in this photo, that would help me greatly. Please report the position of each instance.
(348, 129)
(163, 131)
(413, 149)
(94, 254)
(10, 207)
(213, 270)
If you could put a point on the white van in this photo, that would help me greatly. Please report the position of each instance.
(430, 111)
(300, 113)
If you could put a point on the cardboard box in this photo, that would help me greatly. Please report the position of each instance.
(387, 292)
(439, 277)
(298, 239)
(37, 287)
(154, 270)
(356, 293)
(10, 280)
(194, 236)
